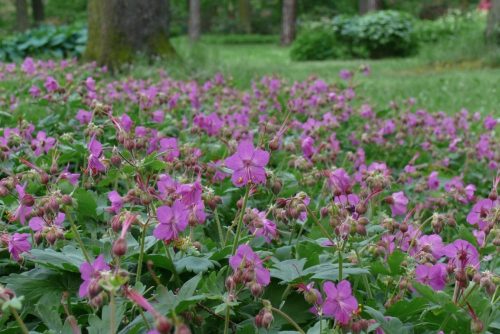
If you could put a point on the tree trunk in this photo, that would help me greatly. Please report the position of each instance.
(38, 11)
(493, 26)
(245, 16)
(22, 21)
(118, 29)
(288, 21)
(366, 6)
(194, 20)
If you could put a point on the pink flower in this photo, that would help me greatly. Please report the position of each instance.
(158, 116)
(432, 244)
(247, 260)
(462, 254)
(248, 164)
(34, 91)
(38, 224)
(340, 182)
(307, 146)
(400, 203)
(42, 143)
(116, 202)
(339, 303)
(19, 244)
(91, 273)
(172, 221)
(83, 116)
(489, 122)
(480, 211)
(260, 226)
(345, 74)
(432, 275)
(95, 165)
(51, 84)
(169, 148)
(433, 181)
(23, 211)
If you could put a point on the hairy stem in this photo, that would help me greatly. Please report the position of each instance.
(20, 321)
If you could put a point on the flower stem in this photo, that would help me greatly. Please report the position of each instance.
(240, 221)
(290, 320)
(323, 230)
(219, 228)
(226, 319)
(174, 271)
(112, 312)
(78, 239)
(141, 255)
(340, 264)
(20, 321)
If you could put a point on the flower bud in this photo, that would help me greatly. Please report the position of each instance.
(51, 237)
(163, 325)
(256, 289)
(476, 326)
(28, 200)
(267, 319)
(182, 329)
(66, 200)
(120, 247)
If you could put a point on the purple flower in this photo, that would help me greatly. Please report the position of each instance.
(433, 181)
(34, 91)
(345, 74)
(307, 146)
(16, 244)
(432, 275)
(23, 211)
(83, 116)
(339, 303)
(116, 202)
(38, 224)
(158, 116)
(95, 165)
(91, 273)
(51, 84)
(400, 204)
(246, 259)
(169, 148)
(432, 244)
(172, 220)
(462, 254)
(489, 122)
(42, 143)
(248, 164)
(260, 226)
(480, 211)
(339, 181)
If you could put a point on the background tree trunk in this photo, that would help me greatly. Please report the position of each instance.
(366, 6)
(118, 29)
(22, 20)
(493, 26)
(194, 20)
(288, 21)
(38, 11)
(245, 16)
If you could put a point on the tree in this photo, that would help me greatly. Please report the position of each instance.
(22, 21)
(38, 11)
(245, 16)
(118, 29)
(493, 25)
(366, 6)
(288, 21)
(194, 20)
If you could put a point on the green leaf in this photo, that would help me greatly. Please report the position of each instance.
(194, 264)
(69, 259)
(103, 325)
(87, 204)
(390, 326)
(289, 270)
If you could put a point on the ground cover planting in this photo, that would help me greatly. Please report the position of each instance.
(160, 205)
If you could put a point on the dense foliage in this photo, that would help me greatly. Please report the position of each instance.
(375, 35)
(49, 41)
(138, 206)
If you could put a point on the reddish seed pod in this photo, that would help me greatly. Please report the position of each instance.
(120, 247)
(66, 200)
(163, 325)
(28, 200)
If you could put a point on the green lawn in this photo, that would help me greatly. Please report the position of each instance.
(435, 88)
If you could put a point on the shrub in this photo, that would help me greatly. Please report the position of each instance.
(385, 34)
(62, 41)
(316, 43)
(375, 35)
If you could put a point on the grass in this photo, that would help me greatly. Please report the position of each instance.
(435, 87)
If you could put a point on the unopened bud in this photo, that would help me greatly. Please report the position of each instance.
(120, 247)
